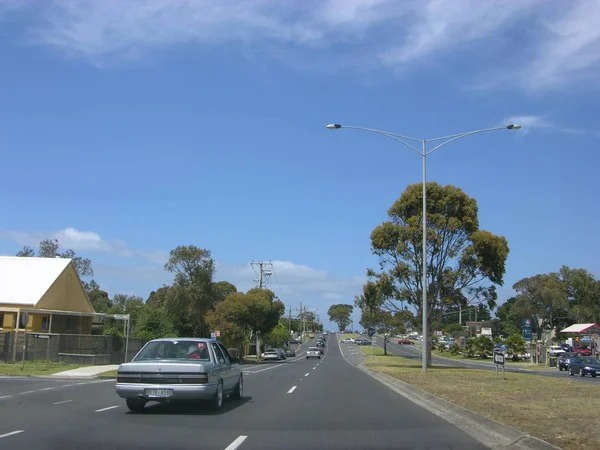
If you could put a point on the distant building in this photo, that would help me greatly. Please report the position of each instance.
(48, 291)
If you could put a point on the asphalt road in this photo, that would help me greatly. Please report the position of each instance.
(409, 351)
(296, 404)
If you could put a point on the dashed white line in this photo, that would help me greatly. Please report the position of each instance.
(235, 444)
(307, 374)
(5, 396)
(292, 389)
(314, 367)
(47, 389)
(27, 392)
(12, 433)
(61, 402)
(106, 409)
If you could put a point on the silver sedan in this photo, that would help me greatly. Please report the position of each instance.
(180, 369)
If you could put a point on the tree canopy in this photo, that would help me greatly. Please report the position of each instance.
(464, 263)
(340, 314)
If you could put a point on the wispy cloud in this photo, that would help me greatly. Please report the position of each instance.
(83, 241)
(537, 44)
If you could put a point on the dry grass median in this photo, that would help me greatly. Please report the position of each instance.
(557, 410)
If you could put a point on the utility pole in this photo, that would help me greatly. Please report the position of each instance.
(290, 323)
(265, 270)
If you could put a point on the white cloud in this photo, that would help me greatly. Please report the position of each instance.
(530, 122)
(539, 44)
(83, 241)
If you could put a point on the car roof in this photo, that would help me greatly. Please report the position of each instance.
(184, 339)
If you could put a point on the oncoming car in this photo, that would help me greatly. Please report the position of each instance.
(174, 369)
(313, 352)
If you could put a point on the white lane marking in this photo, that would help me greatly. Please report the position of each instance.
(60, 403)
(27, 392)
(106, 409)
(292, 389)
(235, 444)
(5, 396)
(79, 384)
(307, 374)
(12, 433)
(314, 367)
(47, 389)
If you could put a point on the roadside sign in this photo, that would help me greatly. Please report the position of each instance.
(213, 335)
(527, 326)
(218, 333)
(499, 362)
(121, 316)
(42, 336)
(499, 358)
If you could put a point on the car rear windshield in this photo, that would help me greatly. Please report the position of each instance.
(570, 355)
(174, 351)
(314, 349)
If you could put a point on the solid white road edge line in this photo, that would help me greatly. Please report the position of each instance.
(235, 444)
(60, 403)
(12, 433)
(292, 389)
(106, 409)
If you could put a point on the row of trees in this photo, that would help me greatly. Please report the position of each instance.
(192, 305)
(552, 301)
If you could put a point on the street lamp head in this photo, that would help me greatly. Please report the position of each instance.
(333, 126)
(513, 126)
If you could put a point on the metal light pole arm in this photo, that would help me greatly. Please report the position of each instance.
(455, 137)
(396, 137)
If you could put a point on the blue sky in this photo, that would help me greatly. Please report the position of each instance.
(128, 128)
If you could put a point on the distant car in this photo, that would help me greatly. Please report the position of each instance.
(313, 352)
(583, 351)
(584, 365)
(362, 341)
(291, 353)
(405, 342)
(564, 360)
(271, 355)
(295, 341)
(322, 350)
(555, 350)
(281, 353)
(348, 341)
(166, 370)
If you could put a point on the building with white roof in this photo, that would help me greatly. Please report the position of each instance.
(43, 295)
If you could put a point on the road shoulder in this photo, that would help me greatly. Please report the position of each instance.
(489, 432)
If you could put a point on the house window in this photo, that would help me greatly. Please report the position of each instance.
(45, 323)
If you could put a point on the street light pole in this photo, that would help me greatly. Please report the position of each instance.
(424, 153)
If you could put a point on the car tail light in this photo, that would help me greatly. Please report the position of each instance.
(129, 378)
(200, 378)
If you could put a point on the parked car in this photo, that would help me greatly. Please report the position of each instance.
(271, 354)
(564, 360)
(405, 342)
(290, 353)
(555, 350)
(322, 350)
(584, 365)
(313, 352)
(166, 370)
(348, 341)
(583, 351)
(362, 341)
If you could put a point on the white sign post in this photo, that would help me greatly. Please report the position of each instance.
(499, 361)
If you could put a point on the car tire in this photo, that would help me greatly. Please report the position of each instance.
(239, 389)
(581, 373)
(571, 373)
(217, 401)
(307, 357)
(135, 404)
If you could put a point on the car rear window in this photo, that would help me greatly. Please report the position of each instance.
(314, 349)
(174, 351)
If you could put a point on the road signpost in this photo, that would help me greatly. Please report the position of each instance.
(213, 335)
(499, 361)
(527, 326)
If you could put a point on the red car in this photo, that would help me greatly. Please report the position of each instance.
(583, 351)
(405, 342)
(321, 350)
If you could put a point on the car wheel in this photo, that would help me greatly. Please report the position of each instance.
(217, 401)
(571, 372)
(239, 389)
(307, 357)
(135, 404)
(582, 373)
(319, 357)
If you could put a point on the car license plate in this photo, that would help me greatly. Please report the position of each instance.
(159, 393)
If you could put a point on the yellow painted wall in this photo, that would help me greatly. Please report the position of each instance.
(66, 294)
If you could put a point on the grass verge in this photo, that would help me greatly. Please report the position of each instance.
(529, 403)
(35, 368)
(109, 374)
(520, 364)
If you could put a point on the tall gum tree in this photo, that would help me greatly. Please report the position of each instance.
(463, 261)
